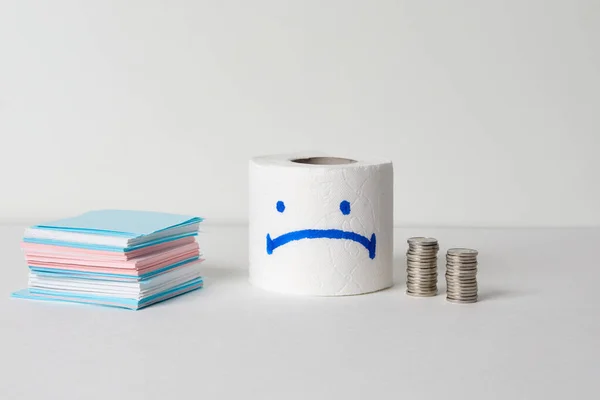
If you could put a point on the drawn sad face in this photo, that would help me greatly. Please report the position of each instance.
(337, 234)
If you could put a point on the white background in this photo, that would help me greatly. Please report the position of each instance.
(534, 333)
(489, 110)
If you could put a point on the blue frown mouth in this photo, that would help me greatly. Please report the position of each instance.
(279, 241)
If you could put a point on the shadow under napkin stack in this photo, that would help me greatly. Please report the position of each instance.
(119, 258)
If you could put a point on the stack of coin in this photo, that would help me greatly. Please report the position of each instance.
(461, 275)
(421, 267)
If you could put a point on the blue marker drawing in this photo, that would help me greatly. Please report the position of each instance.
(345, 207)
(280, 206)
(369, 244)
(279, 241)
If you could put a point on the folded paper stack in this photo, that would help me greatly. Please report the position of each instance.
(119, 258)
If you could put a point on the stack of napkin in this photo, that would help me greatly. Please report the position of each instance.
(120, 258)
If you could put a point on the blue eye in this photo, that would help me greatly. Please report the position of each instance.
(345, 207)
(280, 206)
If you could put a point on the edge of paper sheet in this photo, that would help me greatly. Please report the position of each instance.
(106, 301)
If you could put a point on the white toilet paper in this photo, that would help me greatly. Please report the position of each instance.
(320, 225)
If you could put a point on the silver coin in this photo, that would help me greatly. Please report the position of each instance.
(460, 277)
(423, 267)
(461, 271)
(422, 280)
(425, 274)
(468, 301)
(425, 286)
(461, 284)
(415, 252)
(459, 294)
(452, 269)
(421, 263)
(423, 244)
(422, 294)
(461, 287)
(422, 271)
(455, 289)
(426, 254)
(462, 251)
(435, 248)
(429, 277)
(461, 274)
(421, 240)
(459, 256)
(422, 284)
(458, 264)
(422, 257)
(456, 254)
(460, 260)
(421, 289)
(424, 249)
(462, 291)
(429, 294)
(472, 271)
(454, 261)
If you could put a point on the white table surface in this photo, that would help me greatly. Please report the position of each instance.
(535, 334)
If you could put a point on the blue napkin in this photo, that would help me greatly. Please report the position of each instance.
(125, 223)
(60, 296)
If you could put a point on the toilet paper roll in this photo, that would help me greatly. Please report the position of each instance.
(320, 225)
